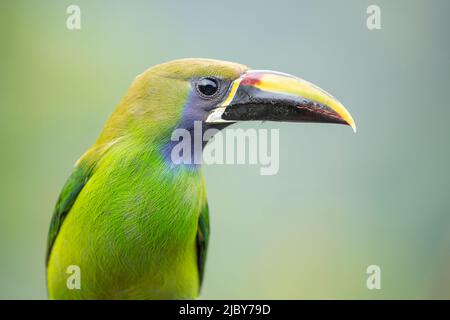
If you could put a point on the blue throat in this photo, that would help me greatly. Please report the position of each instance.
(192, 153)
(193, 126)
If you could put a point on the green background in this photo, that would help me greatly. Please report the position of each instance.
(340, 202)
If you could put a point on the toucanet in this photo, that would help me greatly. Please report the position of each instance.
(134, 222)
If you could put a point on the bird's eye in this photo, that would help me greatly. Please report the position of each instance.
(207, 87)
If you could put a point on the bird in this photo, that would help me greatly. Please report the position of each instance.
(133, 221)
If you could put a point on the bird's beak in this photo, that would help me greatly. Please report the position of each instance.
(275, 96)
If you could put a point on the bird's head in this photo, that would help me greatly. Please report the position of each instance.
(218, 93)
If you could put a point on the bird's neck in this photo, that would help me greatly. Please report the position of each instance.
(184, 149)
(185, 146)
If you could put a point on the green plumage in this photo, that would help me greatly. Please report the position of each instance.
(137, 227)
(134, 220)
(66, 199)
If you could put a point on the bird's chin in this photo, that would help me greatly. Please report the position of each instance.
(218, 125)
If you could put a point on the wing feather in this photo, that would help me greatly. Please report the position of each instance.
(202, 240)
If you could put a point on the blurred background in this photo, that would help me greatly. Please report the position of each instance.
(340, 202)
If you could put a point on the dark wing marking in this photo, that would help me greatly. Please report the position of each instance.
(66, 199)
(202, 240)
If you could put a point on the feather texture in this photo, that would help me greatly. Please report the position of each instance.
(137, 227)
